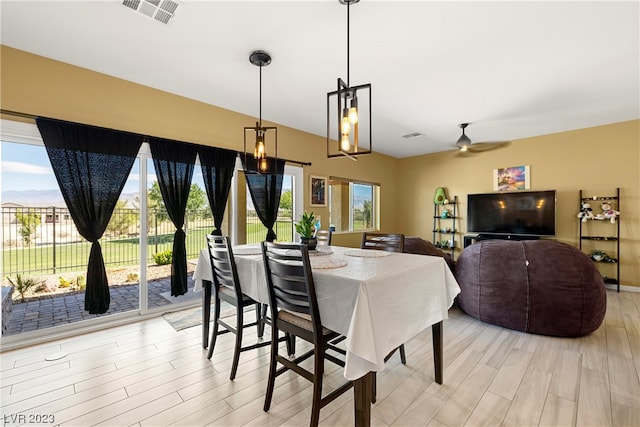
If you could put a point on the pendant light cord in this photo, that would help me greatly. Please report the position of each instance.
(260, 97)
(348, 20)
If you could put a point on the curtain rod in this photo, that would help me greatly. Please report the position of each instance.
(31, 116)
(298, 162)
(17, 114)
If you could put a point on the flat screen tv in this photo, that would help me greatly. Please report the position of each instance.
(517, 213)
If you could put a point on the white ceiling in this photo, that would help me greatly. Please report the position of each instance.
(513, 69)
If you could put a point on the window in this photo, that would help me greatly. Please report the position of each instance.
(49, 218)
(40, 241)
(256, 232)
(353, 205)
(246, 229)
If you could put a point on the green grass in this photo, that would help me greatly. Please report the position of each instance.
(257, 232)
(117, 253)
(76, 255)
(359, 224)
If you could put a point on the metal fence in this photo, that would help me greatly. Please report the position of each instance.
(256, 232)
(46, 241)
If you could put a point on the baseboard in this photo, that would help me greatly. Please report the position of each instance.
(623, 288)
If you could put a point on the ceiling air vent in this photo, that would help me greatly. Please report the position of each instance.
(413, 135)
(160, 10)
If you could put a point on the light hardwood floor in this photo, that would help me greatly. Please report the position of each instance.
(146, 374)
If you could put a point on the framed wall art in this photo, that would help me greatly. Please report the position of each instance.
(511, 179)
(318, 187)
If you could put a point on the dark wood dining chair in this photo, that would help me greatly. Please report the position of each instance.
(226, 287)
(383, 241)
(294, 310)
(324, 237)
(393, 242)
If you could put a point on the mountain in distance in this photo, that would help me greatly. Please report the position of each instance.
(49, 198)
(131, 199)
(35, 198)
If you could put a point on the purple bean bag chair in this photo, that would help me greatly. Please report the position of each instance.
(536, 286)
(417, 245)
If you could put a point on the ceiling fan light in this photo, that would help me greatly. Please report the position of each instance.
(463, 141)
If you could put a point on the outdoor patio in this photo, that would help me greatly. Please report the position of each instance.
(51, 311)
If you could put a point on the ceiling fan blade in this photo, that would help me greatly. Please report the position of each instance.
(481, 147)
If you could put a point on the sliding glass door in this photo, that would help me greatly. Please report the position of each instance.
(44, 258)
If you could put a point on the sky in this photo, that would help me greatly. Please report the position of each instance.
(27, 167)
(361, 193)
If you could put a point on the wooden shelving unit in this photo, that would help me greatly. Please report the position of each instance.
(597, 231)
(444, 225)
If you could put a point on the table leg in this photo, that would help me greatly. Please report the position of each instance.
(206, 312)
(362, 400)
(436, 330)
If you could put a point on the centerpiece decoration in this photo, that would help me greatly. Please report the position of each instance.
(306, 229)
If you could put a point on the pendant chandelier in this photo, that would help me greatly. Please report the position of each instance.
(349, 133)
(259, 133)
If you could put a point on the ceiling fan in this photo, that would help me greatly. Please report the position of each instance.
(465, 146)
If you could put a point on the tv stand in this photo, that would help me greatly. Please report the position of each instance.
(470, 239)
(516, 237)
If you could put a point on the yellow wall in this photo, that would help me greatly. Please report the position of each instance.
(596, 159)
(39, 86)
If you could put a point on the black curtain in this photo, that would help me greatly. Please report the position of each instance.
(217, 166)
(265, 190)
(91, 166)
(174, 162)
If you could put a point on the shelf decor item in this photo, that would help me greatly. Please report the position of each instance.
(440, 197)
(598, 255)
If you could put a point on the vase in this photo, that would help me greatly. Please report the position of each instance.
(311, 242)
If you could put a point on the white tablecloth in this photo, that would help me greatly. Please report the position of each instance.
(378, 303)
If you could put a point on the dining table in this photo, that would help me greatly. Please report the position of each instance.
(378, 300)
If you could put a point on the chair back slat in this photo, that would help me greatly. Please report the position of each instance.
(292, 302)
(383, 241)
(289, 278)
(223, 264)
(324, 237)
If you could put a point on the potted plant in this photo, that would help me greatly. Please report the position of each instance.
(306, 229)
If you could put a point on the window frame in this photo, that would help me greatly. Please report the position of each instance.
(375, 199)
